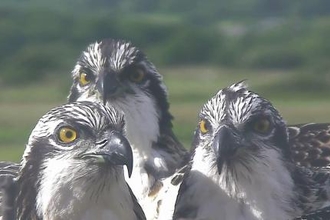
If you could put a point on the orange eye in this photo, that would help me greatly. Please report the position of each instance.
(262, 125)
(204, 126)
(67, 135)
(84, 79)
(137, 76)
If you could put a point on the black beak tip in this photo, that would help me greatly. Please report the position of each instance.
(219, 165)
(122, 159)
(129, 157)
(130, 169)
(122, 153)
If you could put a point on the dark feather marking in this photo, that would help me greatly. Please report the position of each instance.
(74, 94)
(183, 209)
(137, 208)
(8, 188)
(28, 181)
(320, 214)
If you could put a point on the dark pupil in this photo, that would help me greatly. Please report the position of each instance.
(69, 134)
(262, 125)
(87, 77)
(206, 126)
(136, 75)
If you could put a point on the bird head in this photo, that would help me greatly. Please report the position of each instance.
(239, 129)
(116, 72)
(73, 148)
(83, 133)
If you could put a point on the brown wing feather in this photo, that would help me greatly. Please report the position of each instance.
(310, 144)
(172, 151)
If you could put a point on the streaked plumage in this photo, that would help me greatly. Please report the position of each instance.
(320, 214)
(8, 172)
(72, 167)
(118, 74)
(242, 167)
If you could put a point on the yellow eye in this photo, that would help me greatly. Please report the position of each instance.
(262, 125)
(137, 76)
(84, 79)
(204, 126)
(67, 135)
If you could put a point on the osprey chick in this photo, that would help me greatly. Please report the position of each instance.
(118, 74)
(72, 167)
(242, 167)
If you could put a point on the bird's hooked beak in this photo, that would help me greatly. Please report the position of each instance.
(108, 85)
(114, 150)
(224, 146)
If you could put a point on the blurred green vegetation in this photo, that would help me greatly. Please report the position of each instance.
(281, 47)
(189, 88)
(42, 37)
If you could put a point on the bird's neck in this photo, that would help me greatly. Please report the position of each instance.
(142, 122)
(143, 126)
(142, 131)
(65, 191)
(262, 190)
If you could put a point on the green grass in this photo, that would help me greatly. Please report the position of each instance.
(189, 88)
(20, 109)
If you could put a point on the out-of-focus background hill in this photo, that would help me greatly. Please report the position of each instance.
(282, 47)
